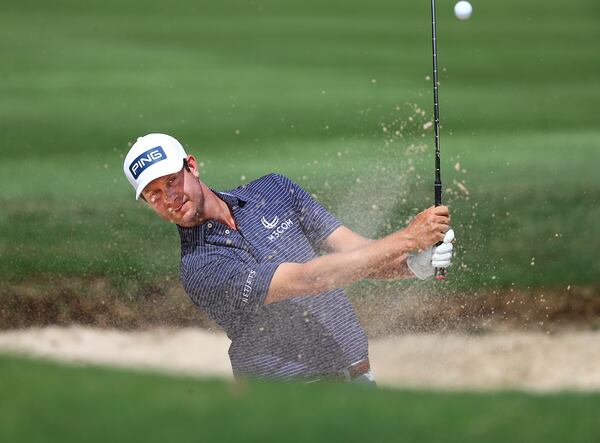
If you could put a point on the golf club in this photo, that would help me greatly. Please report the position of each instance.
(440, 273)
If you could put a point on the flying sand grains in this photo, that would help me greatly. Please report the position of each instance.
(428, 125)
(457, 167)
(461, 186)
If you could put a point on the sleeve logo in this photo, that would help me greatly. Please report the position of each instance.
(248, 286)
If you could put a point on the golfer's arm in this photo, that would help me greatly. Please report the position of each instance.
(344, 239)
(336, 270)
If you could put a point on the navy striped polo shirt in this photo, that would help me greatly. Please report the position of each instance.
(227, 273)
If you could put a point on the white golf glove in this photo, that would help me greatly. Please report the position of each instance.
(424, 263)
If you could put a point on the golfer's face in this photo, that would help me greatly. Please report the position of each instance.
(175, 197)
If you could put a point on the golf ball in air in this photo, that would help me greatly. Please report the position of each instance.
(463, 10)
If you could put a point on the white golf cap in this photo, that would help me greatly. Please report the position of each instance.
(150, 157)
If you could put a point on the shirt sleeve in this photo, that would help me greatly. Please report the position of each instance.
(228, 282)
(317, 223)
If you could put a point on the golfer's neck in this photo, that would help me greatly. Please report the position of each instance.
(221, 212)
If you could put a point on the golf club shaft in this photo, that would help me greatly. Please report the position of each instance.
(439, 272)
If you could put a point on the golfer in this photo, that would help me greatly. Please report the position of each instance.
(269, 264)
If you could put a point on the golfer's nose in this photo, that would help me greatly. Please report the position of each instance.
(170, 196)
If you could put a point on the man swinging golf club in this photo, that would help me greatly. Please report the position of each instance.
(251, 258)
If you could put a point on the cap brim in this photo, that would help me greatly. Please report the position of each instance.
(165, 170)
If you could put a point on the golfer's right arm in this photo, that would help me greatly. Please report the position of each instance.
(343, 268)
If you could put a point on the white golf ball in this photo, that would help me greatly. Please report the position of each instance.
(463, 10)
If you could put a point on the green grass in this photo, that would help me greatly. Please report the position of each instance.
(43, 402)
(303, 88)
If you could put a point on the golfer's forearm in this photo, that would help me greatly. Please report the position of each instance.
(339, 269)
(318, 275)
(336, 270)
(393, 271)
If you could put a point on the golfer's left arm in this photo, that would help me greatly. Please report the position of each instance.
(344, 239)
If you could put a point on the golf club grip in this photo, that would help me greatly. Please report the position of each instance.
(439, 273)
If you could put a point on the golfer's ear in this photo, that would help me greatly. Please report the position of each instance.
(193, 165)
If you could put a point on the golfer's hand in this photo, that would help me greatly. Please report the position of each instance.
(429, 227)
(442, 254)
(424, 263)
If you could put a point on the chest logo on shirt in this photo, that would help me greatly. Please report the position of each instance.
(279, 230)
(269, 225)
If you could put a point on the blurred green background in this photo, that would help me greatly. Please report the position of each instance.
(338, 96)
(334, 94)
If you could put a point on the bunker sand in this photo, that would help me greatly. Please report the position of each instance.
(519, 360)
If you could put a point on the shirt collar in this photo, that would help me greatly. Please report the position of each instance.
(238, 196)
(233, 199)
(194, 236)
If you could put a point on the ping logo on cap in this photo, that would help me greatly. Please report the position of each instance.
(146, 159)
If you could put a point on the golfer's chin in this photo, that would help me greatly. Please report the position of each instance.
(185, 224)
(185, 219)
